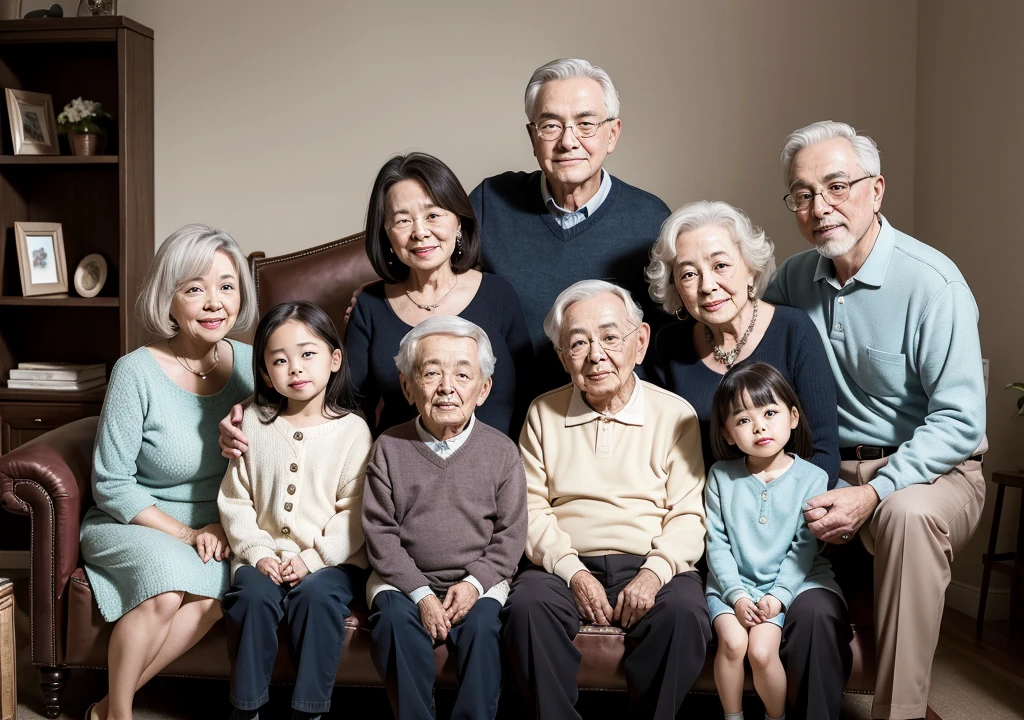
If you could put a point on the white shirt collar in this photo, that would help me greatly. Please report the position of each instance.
(444, 448)
(588, 209)
(632, 413)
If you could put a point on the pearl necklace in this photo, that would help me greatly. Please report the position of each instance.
(727, 358)
(201, 374)
(431, 308)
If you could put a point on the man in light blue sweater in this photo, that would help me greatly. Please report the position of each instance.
(900, 328)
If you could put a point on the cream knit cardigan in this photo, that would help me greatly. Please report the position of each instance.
(297, 491)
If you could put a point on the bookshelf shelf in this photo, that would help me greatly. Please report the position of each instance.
(58, 160)
(46, 301)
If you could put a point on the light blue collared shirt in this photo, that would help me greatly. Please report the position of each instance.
(568, 218)
(902, 340)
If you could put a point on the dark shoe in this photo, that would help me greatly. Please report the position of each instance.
(237, 714)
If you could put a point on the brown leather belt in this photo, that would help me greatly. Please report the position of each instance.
(876, 452)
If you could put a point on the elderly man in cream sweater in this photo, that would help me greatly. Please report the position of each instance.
(615, 480)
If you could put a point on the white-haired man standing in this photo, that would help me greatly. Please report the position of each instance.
(571, 220)
(900, 328)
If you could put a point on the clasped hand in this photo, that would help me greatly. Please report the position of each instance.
(630, 606)
(210, 542)
(750, 614)
(291, 570)
(438, 617)
(840, 512)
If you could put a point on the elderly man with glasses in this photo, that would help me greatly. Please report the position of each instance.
(571, 220)
(615, 478)
(900, 329)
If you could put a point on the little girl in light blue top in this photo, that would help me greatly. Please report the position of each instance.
(760, 552)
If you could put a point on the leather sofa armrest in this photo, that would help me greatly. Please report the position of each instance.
(50, 479)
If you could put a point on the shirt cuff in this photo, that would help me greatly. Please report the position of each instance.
(568, 566)
(475, 583)
(420, 593)
(255, 553)
(312, 560)
(883, 486)
(660, 567)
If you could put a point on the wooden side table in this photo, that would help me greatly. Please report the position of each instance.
(8, 683)
(1008, 563)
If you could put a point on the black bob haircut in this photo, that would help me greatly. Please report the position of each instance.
(765, 385)
(443, 188)
(338, 399)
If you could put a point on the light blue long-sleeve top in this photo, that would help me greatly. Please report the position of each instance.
(758, 541)
(902, 339)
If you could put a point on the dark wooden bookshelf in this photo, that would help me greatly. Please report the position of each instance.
(58, 160)
(70, 301)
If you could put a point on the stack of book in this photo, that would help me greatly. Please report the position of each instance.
(57, 376)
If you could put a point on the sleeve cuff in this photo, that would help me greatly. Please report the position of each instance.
(420, 593)
(125, 512)
(568, 566)
(732, 597)
(660, 567)
(883, 486)
(475, 583)
(255, 553)
(311, 558)
(783, 595)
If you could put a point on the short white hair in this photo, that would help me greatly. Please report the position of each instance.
(188, 253)
(757, 250)
(587, 290)
(567, 69)
(863, 146)
(444, 325)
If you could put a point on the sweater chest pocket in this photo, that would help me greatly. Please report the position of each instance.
(883, 374)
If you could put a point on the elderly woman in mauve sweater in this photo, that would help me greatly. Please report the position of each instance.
(444, 516)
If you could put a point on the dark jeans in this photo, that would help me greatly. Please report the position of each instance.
(315, 609)
(403, 654)
(665, 650)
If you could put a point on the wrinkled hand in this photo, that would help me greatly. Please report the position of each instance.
(211, 543)
(747, 613)
(840, 512)
(293, 570)
(433, 618)
(460, 598)
(271, 567)
(769, 606)
(232, 440)
(591, 599)
(636, 598)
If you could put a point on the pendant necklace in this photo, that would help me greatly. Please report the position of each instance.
(201, 374)
(728, 357)
(431, 308)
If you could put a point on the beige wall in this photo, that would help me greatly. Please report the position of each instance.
(970, 114)
(272, 118)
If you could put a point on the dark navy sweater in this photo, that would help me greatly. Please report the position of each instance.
(522, 243)
(792, 345)
(375, 332)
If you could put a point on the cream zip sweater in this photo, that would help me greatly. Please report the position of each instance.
(297, 491)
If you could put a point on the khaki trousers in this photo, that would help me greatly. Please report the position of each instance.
(914, 535)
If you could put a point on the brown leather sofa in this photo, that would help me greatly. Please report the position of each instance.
(49, 479)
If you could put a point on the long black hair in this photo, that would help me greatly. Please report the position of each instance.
(338, 399)
(765, 385)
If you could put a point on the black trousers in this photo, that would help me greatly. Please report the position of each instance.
(316, 609)
(403, 654)
(665, 650)
(816, 653)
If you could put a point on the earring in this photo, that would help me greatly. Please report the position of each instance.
(391, 255)
(458, 245)
(750, 292)
(680, 313)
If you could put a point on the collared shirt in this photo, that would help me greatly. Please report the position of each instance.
(444, 448)
(569, 218)
(632, 413)
(901, 337)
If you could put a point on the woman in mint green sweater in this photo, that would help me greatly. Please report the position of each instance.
(760, 552)
(154, 550)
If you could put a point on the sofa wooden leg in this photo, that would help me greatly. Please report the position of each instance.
(52, 680)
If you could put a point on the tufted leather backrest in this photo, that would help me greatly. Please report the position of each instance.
(326, 275)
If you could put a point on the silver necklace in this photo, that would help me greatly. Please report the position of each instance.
(431, 308)
(728, 357)
(200, 373)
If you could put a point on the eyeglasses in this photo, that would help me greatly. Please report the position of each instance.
(552, 129)
(610, 342)
(835, 193)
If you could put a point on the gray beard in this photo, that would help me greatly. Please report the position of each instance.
(837, 247)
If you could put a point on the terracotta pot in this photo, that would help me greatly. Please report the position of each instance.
(87, 143)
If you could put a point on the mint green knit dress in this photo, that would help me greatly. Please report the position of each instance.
(156, 445)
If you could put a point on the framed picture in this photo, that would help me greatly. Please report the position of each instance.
(33, 127)
(90, 275)
(44, 270)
